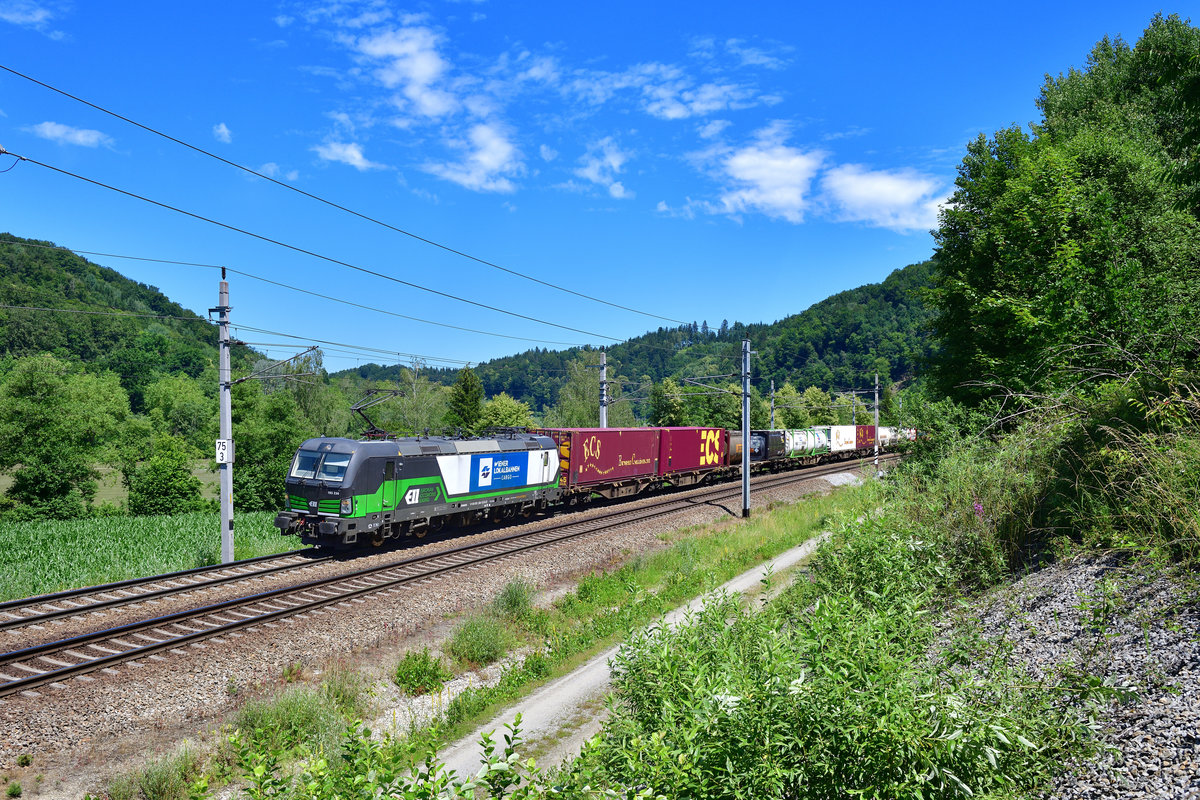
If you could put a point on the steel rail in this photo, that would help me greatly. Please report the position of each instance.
(435, 565)
(38, 617)
(68, 594)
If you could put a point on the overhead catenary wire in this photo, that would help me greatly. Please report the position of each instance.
(305, 251)
(176, 262)
(359, 348)
(280, 284)
(332, 204)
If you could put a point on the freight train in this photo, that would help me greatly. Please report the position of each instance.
(343, 491)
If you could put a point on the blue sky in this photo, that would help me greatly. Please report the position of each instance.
(694, 161)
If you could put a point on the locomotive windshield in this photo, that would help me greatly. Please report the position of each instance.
(320, 466)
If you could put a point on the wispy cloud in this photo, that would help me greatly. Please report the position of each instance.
(713, 129)
(346, 153)
(273, 170)
(601, 164)
(902, 200)
(37, 16)
(769, 177)
(488, 162)
(751, 56)
(222, 133)
(65, 134)
(665, 91)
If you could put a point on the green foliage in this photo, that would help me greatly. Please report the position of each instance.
(421, 672)
(56, 423)
(170, 777)
(13, 789)
(466, 401)
(164, 483)
(267, 429)
(503, 411)
(515, 599)
(299, 716)
(825, 693)
(479, 641)
(666, 404)
(179, 407)
(1069, 246)
(578, 402)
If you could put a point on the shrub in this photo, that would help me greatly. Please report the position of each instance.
(298, 716)
(418, 673)
(515, 599)
(480, 641)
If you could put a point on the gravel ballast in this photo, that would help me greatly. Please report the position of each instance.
(1105, 617)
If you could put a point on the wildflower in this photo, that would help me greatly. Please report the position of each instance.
(978, 508)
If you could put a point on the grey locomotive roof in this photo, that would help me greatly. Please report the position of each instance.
(429, 445)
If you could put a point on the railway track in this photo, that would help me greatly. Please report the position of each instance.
(74, 602)
(75, 657)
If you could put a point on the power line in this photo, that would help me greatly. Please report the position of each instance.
(355, 347)
(319, 199)
(298, 289)
(298, 249)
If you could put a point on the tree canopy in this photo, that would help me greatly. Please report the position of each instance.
(1074, 237)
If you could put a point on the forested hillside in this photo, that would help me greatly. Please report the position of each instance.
(835, 345)
(166, 339)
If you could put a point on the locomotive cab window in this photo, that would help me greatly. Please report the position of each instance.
(305, 465)
(333, 467)
(320, 466)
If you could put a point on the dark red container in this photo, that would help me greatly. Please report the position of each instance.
(603, 455)
(690, 449)
(864, 436)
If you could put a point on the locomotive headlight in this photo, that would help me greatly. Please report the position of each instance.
(348, 505)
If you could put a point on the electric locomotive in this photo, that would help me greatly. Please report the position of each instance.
(339, 490)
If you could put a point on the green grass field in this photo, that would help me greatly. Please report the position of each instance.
(40, 557)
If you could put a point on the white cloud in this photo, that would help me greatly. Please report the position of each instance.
(769, 177)
(490, 160)
(664, 91)
(547, 153)
(65, 134)
(283, 20)
(601, 165)
(541, 70)
(849, 133)
(273, 170)
(222, 133)
(753, 56)
(36, 16)
(673, 101)
(902, 200)
(686, 211)
(411, 64)
(711, 130)
(346, 153)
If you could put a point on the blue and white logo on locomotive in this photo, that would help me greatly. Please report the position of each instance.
(499, 472)
(483, 473)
